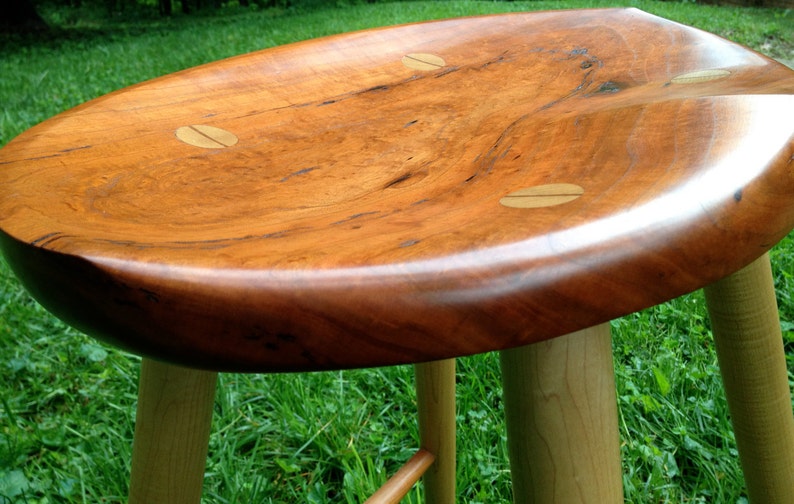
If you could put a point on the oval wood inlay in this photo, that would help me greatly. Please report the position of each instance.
(423, 61)
(542, 196)
(700, 76)
(206, 137)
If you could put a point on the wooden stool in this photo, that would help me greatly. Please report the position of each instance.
(417, 193)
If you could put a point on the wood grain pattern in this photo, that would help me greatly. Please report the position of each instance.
(745, 320)
(435, 404)
(562, 420)
(172, 428)
(357, 220)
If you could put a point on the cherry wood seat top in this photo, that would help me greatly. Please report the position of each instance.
(404, 194)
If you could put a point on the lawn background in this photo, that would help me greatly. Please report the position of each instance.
(67, 403)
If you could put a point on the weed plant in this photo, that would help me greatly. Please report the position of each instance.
(67, 402)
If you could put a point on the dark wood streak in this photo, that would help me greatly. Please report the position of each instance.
(402, 178)
(303, 171)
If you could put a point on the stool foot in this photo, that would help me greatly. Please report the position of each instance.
(562, 420)
(747, 336)
(435, 393)
(171, 434)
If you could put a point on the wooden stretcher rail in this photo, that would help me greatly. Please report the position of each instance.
(403, 480)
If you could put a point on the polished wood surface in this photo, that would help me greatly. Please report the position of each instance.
(404, 194)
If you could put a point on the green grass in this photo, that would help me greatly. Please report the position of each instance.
(67, 403)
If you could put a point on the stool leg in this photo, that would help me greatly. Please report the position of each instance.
(562, 420)
(171, 434)
(749, 345)
(435, 397)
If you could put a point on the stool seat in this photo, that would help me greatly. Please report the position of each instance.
(404, 194)
(417, 193)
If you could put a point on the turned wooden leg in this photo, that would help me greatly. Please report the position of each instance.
(435, 392)
(562, 420)
(171, 434)
(752, 361)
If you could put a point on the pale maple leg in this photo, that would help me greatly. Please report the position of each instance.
(435, 392)
(747, 336)
(171, 434)
(562, 420)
